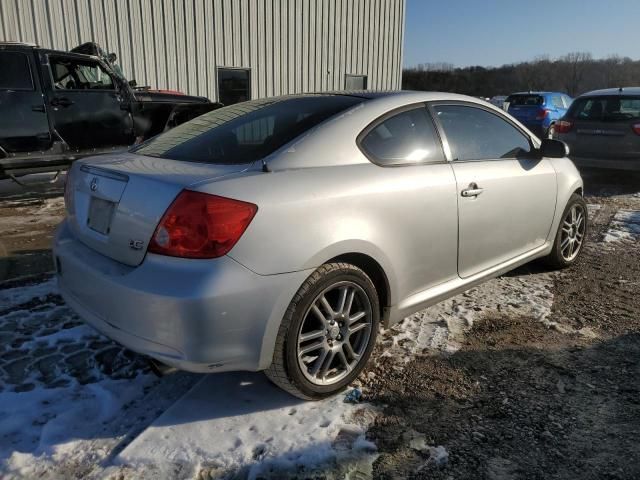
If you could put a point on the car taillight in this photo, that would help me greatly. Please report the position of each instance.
(563, 126)
(636, 128)
(542, 114)
(199, 225)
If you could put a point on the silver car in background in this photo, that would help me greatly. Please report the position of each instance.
(281, 234)
(602, 129)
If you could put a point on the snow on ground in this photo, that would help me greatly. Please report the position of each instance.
(12, 297)
(238, 424)
(442, 326)
(61, 382)
(107, 416)
(73, 403)
(29, 212)
(625, 226)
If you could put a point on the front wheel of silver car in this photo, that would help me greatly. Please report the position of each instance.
(571, 234)
(327, 333)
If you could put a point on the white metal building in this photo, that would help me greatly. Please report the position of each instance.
(227, 49)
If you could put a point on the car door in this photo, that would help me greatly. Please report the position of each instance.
(24, 126)
(506, 196)
(419, 207)
(86, 106)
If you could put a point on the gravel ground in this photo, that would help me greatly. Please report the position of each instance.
(28, 217)
(532, 375)
(528, 399)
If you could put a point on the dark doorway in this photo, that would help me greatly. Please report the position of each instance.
(234, 85)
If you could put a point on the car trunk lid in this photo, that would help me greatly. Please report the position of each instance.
(606, 139)
(115, 202)
(604, 126)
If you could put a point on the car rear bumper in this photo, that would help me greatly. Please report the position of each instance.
(196, 315)
(632, 164)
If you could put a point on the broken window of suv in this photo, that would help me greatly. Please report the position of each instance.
(71, 74)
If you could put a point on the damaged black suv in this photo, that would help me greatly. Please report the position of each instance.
(56, 107)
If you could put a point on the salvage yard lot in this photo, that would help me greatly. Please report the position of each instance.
(535, 374)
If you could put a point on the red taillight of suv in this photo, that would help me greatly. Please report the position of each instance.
(636, 128)
(563, 126)
(199, 225)
(542, 114)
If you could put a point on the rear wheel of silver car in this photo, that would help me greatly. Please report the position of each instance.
(327, 333)
(571, 234)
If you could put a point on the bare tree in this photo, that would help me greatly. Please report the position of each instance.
(574, 65)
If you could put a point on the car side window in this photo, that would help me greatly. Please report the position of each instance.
(476, 134)
(71, 74)
(557, 101)
(15, 73)
(406, 138)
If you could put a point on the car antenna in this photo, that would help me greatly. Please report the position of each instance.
(265, 167)
(620, 90)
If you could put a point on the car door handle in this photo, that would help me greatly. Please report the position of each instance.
(472, 191)
(61, 102)
(37, 108)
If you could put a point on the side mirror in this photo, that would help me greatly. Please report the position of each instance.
(553, 148)
(133, 83)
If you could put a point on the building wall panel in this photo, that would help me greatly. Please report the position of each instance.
(290, 46)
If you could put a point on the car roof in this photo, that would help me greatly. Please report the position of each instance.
(538, 93)
(400, 95)
(613, 91)
(11, 43)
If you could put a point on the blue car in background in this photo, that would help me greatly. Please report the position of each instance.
(538, 111)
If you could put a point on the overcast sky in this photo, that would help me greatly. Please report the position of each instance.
(495, 32)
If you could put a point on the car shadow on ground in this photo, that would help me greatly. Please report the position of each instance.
(24, 263)
(608, 183)
(534, 267)
(227, 395)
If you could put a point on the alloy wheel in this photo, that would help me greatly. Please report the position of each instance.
(334, 333)
(573, 229)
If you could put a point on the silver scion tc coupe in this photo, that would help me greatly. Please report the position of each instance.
(280, 234)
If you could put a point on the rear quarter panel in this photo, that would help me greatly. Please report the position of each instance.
(569, 182)
(404, 218)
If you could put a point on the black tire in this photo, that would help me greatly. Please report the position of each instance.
(285, 371)
(556, 259)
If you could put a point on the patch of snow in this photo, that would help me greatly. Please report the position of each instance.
(241, 422)
(14, 296)
(227, 424)
(625, 226)
(46, 426)
(442, 326)
(593, 207)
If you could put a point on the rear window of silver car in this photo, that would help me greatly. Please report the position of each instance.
(606, 109)
(247, 131)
